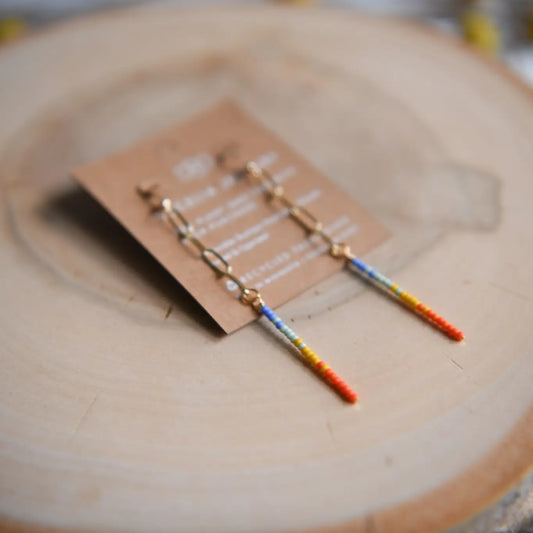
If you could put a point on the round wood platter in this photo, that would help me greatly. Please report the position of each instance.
(123, 407)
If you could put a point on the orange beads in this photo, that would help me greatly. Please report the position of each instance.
(340, 386)
(440, 322)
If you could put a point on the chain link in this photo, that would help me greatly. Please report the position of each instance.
(185, 231)
(308, 221)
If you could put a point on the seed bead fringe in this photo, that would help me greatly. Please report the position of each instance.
(409, 300)
(311, 357)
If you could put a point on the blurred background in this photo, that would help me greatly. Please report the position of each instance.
(499, 27)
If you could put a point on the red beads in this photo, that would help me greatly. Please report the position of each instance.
(440, 322)
(340, 386)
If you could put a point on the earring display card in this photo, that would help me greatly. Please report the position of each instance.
(267, 249)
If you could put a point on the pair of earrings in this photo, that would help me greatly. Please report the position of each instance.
(252, 297)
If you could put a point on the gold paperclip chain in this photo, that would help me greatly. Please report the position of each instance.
(299, 213)
(185, 231)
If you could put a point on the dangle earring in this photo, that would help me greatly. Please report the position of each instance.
(342, 251)
(185, 233)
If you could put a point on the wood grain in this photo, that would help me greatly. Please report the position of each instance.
(124, 408)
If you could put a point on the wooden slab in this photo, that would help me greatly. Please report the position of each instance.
(122, 405)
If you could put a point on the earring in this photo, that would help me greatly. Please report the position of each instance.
(248, 296)
(339, 250)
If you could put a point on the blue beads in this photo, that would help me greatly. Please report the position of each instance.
(268, 312)
(359, 264)
(276, 320)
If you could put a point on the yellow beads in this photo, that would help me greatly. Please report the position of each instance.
(409, 299)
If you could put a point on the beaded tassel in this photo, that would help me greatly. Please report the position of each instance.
(409, 300)
(311, 357)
